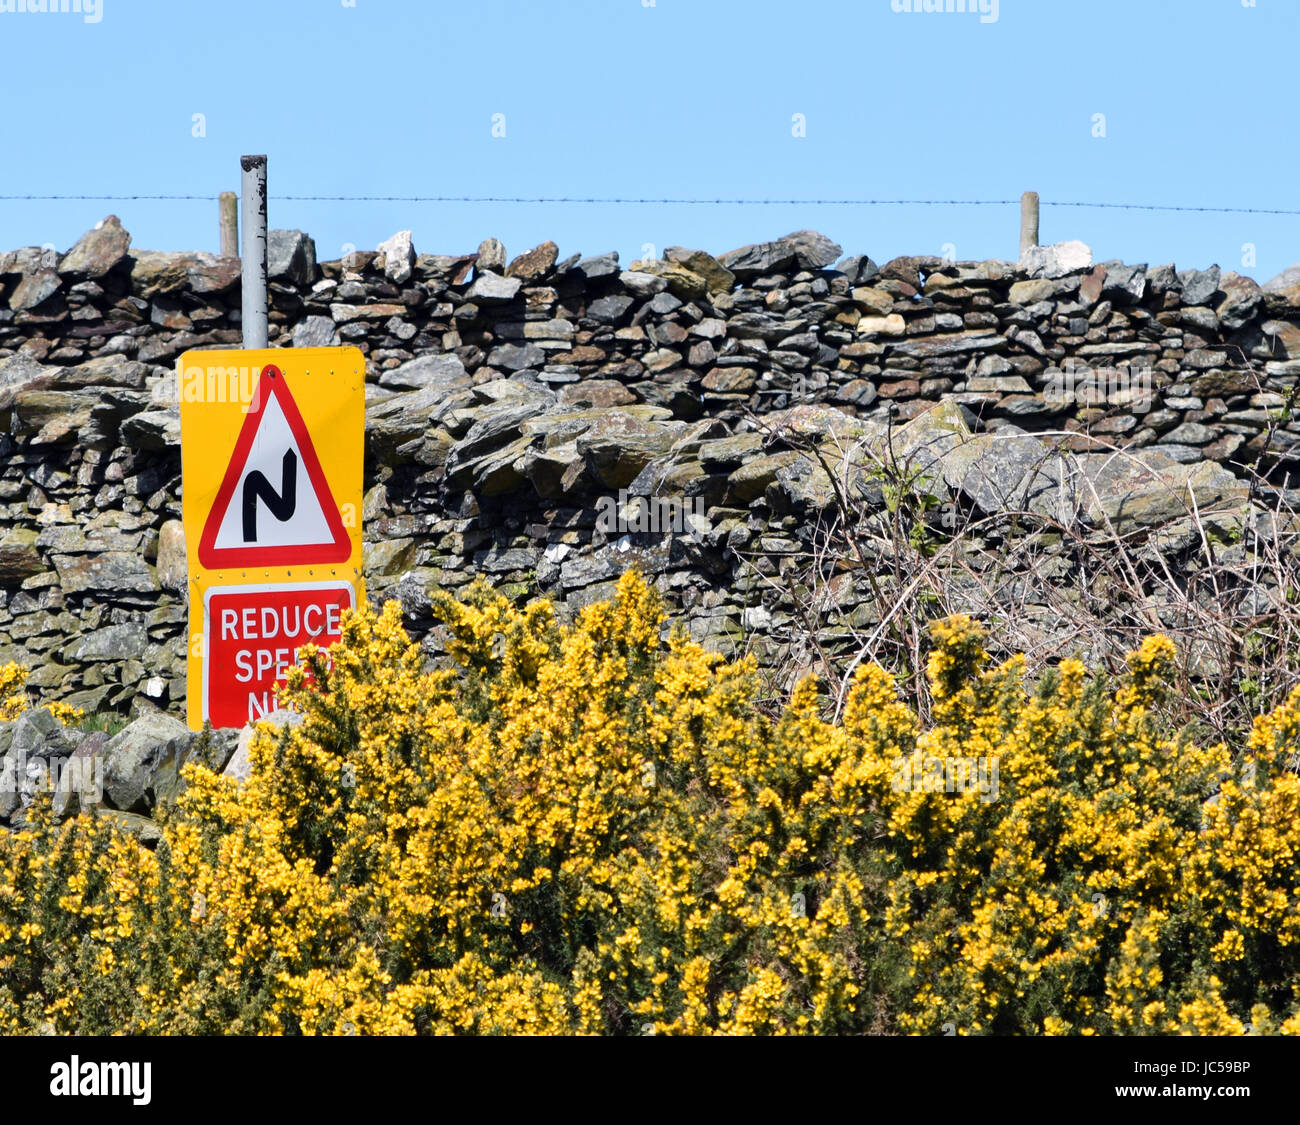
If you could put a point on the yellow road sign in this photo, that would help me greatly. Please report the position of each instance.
(272, 444)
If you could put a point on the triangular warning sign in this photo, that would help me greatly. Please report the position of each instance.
(274, 506)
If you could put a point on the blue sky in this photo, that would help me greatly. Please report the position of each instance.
(684, 98)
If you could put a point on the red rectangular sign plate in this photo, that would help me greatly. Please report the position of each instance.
(253, 635)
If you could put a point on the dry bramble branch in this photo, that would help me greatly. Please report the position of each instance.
(1049, 580)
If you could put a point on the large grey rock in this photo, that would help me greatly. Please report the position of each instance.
(210, 748)
(1149, 490)
(859, 269)
(619, 445)
(952, 344)
(291, 256)
(173, 563)
(609, 310)
(440, 372)
(155, 271)
(1161, 279)
(34, 752)
(315, 332)
(104, 371)
(500, 427)
(717, 278)
(683, 282)
(1051, 488)
(98, 251)
(32, 749)
(53, 417)
(513, 331)
(1057, 260)
(815, 423)
(78, 782)
(803, 484)
(37, 733)
(758, 326)
(159, 271)
(388, 557)
(1124, 283)
(113, 642)
(604, 265)
(208, 275)
(1289, 278)
(27, 259)
(500, 393)
(21, 369)
(1190, 433)
(752, 478)
(1241, 301)
(995, 469)
(491, 257)
(553, 470)
(806, 249)
(107, 572)
(133, 756)
(761, 258)
(593, 393)
(19, 558)
(1031, 292)
(402, 418)
(643, 285)
(491, 288)
(153, 430)
(519, 357)
(812, 250)
(661, 304)
(535, 263)
(34, 289)
(239, 767)
(496, 471)
(398, 255)
(1199, 286)
(917, 448)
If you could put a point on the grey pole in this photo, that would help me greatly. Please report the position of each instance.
(228, 218)
(254, 256)
(1028, 221)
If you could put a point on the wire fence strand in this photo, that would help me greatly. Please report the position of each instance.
(666, 201)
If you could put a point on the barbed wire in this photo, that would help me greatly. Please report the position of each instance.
(101, 198)
(666, 201)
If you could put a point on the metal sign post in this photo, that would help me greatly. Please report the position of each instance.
(254, 255)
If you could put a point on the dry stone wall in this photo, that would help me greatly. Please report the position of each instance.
(715, 420)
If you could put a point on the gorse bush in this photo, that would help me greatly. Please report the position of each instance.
(587, 830)
(13, 700)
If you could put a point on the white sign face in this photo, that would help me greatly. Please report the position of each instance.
(274, 503)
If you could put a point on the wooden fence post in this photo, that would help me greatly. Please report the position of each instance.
(1028, 221)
